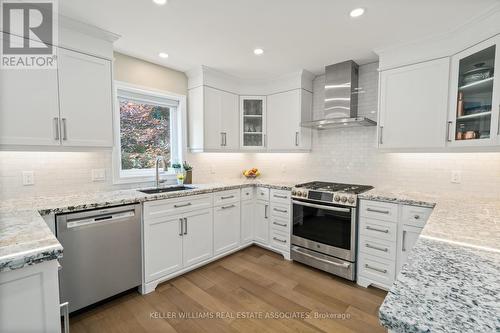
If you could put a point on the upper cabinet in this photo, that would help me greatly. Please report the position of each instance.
(413, 104)
(474, 96)
(227, 114)
(253, 122)
(213, 120)
(286, 111)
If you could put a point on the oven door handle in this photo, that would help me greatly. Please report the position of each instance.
(336, 209)
(343, 265)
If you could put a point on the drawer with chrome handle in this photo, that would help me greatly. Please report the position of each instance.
(279, 240)
(378, 270)
(378, 229)
(247, 193)
(168, 207)
(281, 196)
(262, 193)
(278, 210)
(280, 224)
(377, 247)
(415, 216)
(225, 197)
(384, 211)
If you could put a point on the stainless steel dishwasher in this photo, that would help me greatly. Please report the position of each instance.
(102, 254)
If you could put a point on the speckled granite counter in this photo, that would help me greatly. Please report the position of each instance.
(25, 239)
(450, 283)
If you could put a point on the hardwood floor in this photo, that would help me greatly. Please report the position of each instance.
(242, 293)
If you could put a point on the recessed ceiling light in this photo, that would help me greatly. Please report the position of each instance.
(357, 12)
(163, 55)
(160, 2)
(258, 51)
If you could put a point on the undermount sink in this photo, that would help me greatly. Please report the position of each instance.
(167, 189)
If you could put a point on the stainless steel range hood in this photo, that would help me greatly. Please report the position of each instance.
(341, 98)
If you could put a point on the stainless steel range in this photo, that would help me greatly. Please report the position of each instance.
(325, 226)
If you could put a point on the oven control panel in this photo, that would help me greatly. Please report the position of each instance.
(340, 198)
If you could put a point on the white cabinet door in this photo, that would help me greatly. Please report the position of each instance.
(29, 109)
(305, 133)
(230, 121)
(247, 221)
(162, 247)
(413, 105)
(198, 237)
(283, 120)
(253, 122)
(406, 240)
(226, 227)
(85, 100)
(261, 226)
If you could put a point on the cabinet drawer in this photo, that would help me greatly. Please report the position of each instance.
(378, 229)
(281, 196)
(415, 216)
(280, 240)
(225, 197)
(278, 210)
(280, 224)
(377, 247)
(379, 210)
(262, 193)
(168, 207)
(376, 269)
(247, 193)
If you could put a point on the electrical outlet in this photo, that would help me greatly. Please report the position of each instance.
(98, 175)
(28, 178)
(456, 176)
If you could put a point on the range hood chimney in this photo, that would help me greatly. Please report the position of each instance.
(341, 98)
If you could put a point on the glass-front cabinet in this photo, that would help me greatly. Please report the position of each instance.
(253, 122)
(474, 104)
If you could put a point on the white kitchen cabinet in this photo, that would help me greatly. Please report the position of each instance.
(285, 112)
(253, 122)
(162, 246)
(247, 221)
(29, 299)
(407, 238)
(413, 105)
(29, 110)
(474, 100)
(261, 226)
(85, 100)
(226, 227)
(197, 244)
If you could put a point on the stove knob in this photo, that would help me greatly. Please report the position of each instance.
(294, 192)
(351, 200)
(304, 194)
(337, 198)
(343, 198)
(299, 193)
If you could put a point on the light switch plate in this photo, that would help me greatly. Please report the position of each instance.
(28, 178)
(456, 176)
(98, 175)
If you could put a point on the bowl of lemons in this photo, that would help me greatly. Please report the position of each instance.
(251, 173)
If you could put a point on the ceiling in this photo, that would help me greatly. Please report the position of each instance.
(295, 34)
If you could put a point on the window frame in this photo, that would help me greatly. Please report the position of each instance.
(177, 119)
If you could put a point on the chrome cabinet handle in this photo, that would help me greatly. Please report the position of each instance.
(280, 224)
(225, 139)
(381, 137)
(280, 196)
(448, 132)
(279, 240)
(376, 269)
(265, 211)
(181, 228)
(64, 308)
(56, 128)
(403, 248)
(64, 129)
(378, 211)
(264, 140)
(383, 249)
(180, 206)
(280, 210)
(386, 231)
(227, 197)
(416, 217)
(222, 139)
(297, 139)
(335, 209)
(227, 207)
(185, 226)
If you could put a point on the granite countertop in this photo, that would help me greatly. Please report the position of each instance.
(25, 238)
(450, 283)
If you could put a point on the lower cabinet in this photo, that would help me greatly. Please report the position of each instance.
(226, 227)
(261, 223)
(247, 221)
(197, 236)
(387, 233)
